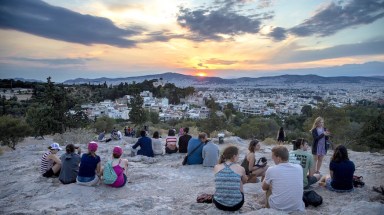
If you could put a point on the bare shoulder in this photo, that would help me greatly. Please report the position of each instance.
(238, 169)
(218, 167)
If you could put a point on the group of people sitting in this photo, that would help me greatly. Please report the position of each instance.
(199, 150)
(284, 182)
(85, 169)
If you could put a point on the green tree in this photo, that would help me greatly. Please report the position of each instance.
(372, 134)
(40, 120)
(13, 131)
(153, 117)
(137, 114)
(306, 110)
(104, 123)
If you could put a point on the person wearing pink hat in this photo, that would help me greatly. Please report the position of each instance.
(90, 167)
(120, 166)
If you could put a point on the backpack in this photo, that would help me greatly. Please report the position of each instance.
(312, 198)
(358, 181)
(109, 174)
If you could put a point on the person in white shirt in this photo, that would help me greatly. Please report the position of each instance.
(284, 183)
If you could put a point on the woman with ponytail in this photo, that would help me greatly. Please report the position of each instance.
(229, 179)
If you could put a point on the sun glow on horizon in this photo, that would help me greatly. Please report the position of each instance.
(201, 74)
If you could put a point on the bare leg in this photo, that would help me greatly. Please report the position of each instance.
(319, 162)
(267, 195)
(56, 168)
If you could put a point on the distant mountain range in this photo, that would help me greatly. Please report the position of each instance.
(188, 80)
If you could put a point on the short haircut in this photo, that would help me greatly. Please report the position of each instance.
(186, 130)
(70, 148)
(298, 143)
(171, 132)
(281, 152)
(202, 135)
(143, 133)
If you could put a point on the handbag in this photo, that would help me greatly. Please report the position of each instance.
(109, 174)
(204, 198)
(184, 162)
(312, 198)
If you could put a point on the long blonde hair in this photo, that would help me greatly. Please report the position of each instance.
(317, 122)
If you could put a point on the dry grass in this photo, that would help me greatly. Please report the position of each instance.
(269, 141)
(78, 136)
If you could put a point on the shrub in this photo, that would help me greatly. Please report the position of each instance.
(269, 141)
(76, 136)
(13, 130)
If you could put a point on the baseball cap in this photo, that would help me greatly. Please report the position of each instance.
(55, 146)
(117, 150)
(92, 146)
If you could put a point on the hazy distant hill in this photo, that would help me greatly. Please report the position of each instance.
(188, 80)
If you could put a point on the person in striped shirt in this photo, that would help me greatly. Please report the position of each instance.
(170, 142)
(50, 162)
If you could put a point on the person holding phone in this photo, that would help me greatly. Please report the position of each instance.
(319, 147)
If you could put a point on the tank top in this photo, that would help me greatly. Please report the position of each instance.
(228, 187)
(45, 163)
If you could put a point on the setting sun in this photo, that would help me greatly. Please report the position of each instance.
(201, 74)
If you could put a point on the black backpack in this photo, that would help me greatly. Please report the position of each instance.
(312, 198)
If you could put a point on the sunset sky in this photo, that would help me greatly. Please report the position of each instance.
(67, 39)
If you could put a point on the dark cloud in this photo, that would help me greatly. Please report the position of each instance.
(209, 23)
(160, 36)
(278, 34)
(41, 19)
(336, 17)
(220, 62)
(293, 54)
(54, 61)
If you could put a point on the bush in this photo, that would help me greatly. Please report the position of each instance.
(78, 136)
(13, 131)
(269, 141)
(104, 123)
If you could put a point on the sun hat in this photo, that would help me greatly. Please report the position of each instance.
(92, 146)
(55, 146)
(117, 150)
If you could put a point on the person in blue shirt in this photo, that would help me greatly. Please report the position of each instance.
(145, 144)
(196, 156)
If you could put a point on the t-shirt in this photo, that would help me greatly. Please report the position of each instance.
(88, 165)
(183, 143)
(196, 157)
(210, 154)
(305, 159)
(287, 187)
(46, 164)
(342, 174)
(157, 146)
(170, 142)
(69, 167)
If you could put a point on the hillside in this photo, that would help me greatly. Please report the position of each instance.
(160, 185)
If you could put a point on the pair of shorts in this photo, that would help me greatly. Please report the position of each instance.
(227, 208)
(49, 173)
(328, 182)
(87, 181)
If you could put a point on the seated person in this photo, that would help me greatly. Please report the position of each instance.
(101, 136)
(195, 150)
(249, 163)
(157, 146)
(229, 179)
(145, 144)
(305, 159)
(50, 162)
(341, 171)
(170, 142)
(90, 167)
(210, 152)
(183, 140)
(120, 166)
(69, 164)
(284, 183)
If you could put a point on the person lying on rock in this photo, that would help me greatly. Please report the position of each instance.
(50, 162)
(252, 169)
(90, 167)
